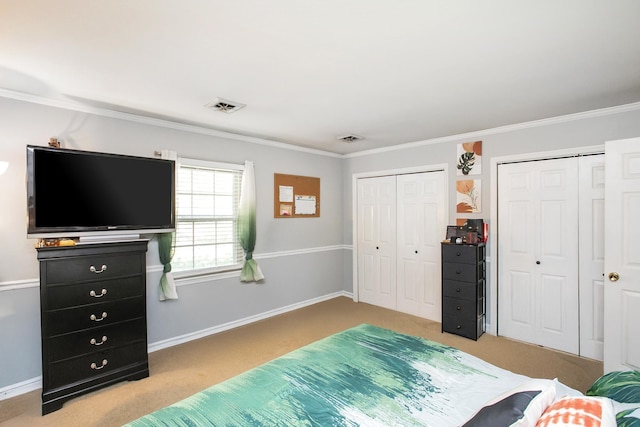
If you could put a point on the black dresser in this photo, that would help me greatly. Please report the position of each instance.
(93, 317)
(463, 289)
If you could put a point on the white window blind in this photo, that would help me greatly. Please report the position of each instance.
(207, 198)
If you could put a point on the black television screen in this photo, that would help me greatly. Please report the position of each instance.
(72, 193)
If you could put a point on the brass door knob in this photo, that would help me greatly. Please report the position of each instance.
(614, 277)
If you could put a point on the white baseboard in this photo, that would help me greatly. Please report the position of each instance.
(159, 345)
(23, 387)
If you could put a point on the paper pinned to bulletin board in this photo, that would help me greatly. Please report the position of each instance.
(295, 196)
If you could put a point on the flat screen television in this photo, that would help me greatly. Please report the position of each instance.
(73, 193)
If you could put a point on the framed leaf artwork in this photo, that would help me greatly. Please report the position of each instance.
(468, 196)
(469, 160)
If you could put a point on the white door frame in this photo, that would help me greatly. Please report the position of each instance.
(354, 205)
(492, 306)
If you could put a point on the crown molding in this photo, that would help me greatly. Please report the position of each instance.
(503, 129)
(137, 118)
(105, 112)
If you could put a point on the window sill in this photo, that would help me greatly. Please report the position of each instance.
(191, 277)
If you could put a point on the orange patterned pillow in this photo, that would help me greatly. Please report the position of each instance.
(579, 412)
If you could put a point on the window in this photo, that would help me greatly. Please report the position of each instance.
(207, 199)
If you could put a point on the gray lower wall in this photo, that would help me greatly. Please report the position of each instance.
(289, 280)
(20, 335)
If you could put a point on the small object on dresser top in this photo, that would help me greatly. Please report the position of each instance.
(55, 242)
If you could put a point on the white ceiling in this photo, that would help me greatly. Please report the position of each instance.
(311, 70)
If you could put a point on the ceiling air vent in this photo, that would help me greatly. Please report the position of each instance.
(224, 105)
(350, 138)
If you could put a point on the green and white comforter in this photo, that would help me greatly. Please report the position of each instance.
(365, 376)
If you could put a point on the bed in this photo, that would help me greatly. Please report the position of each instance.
(370, 376)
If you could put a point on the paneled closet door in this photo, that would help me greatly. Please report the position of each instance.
(622, 257)
(420, 228)
(377, 241)
(591, 213)
(538, 253)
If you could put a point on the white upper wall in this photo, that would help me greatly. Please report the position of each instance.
(25, 123)
(580, 130)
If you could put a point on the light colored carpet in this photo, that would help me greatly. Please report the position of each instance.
(182, 370)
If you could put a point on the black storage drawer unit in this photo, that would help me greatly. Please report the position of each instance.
(93, 318)
(463, 289)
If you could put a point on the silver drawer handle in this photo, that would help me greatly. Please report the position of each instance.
(95, 319)
(96, 343)
(96, 367)
(102, 269)
(102, 293)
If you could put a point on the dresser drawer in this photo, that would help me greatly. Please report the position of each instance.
(460, 253)
(459, 307)
(460, 272)
(95, 364)
(94, 267)
(461, 290)
(91, 340)
(61, 296)
(468, 328)
(92, 316)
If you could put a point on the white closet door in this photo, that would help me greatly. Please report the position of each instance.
(377, 241)
(622, 256)
(538, 253)
(591, 264)
(421, 225)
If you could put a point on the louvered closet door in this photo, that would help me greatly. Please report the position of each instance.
(421, 221)
(538, 253)
(377, 241)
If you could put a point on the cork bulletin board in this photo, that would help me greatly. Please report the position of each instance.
(296, 196)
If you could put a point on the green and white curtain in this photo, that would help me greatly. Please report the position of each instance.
(167, 286)
(247, 224)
